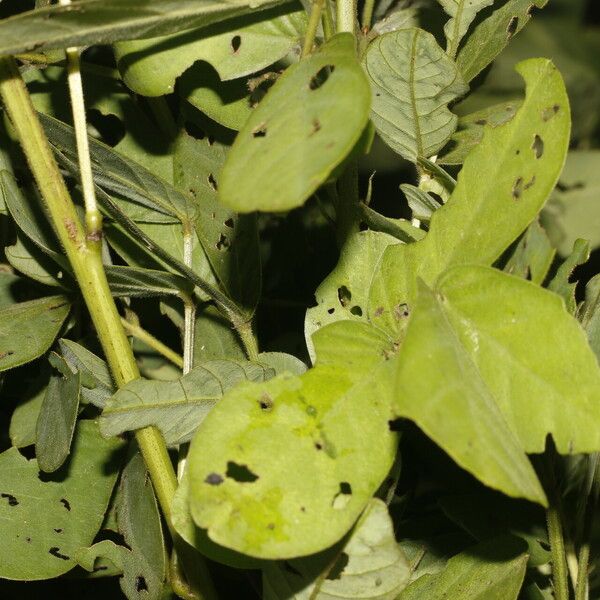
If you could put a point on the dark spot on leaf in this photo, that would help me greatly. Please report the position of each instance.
(303, 509)
(316, 126)
(538, 146)
(344, 295)
(378, 94)
(236, 42)
(517, 190)
(481, 122)
(28, 540)
(260, 131)
(529, 183)
(223, 242)
(140, 584)
(331, 310)
(318, 446)
(240, 473)
(341, 499)
(229, 223)
(65, 503)
(378, 311)
(266, 403)
(356, 311)
(338, 568)
(212, 182)
(289, 567)
(12, 501)
(58, 530)
(271, 526)
(513, 25)
(378, 582)
(311, 410)
(55, 551)
(401, 311)
(321, 77)
(549, 112)
(213, 479)
(517, 152)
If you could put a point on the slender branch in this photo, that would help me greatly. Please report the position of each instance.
(367, 14)
(555, 533)
(154, 343)
(327, 19)
(249, 342)
(189, 308)
(313, 26)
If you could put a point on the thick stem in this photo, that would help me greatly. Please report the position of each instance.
(367, 14)
(313, 26)
(346, 16)
(555, 533)
(246, 333)
(86, 262)
(327, 19)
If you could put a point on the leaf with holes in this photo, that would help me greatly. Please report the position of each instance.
(27, 329)
(369, 565)
(235, 48)
(492, 570)
(107, 21)
(176, 407)
(412, 82)
(229, 240)
(517, 367)
(344, 292)
(503, 184)
(56, 422)
(306, 125)
(44, 521)
(463, 13)
(284, 468)
(492, 35)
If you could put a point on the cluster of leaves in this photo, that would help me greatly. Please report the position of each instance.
(420, 345)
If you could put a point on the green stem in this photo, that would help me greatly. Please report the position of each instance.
(154, 343)
(367, 14)
(313, 25)
(86, 262)
(555, 534)
(327, 18)
(346, 16)
(246, 333)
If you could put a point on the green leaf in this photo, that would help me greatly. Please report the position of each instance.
(44, 522)
(590, 313)
(369, 566)
(422, 204)
(506, 383)
(573, 210)
(235, 48)
(96, 381)
(485, 515)
(27, 329)
(23, 421)
(305, 126)
(470, 129)
(493, 34)
(107, 21)
(325, 471)
(230, 241)
(282, 362)
(463, 13)
(145, 564)
(493, 570)
(412, 82)
(343, 294)
(214, 338)
(533, 255)
(56, 422)
(176, 407)
(503, 184)
(561, 283)
(144, 283)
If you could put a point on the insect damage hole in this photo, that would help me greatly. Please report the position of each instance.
(140, 584)
(12, 501)
(512, 27)
(236, 42)
(538, 146)
(344, 295)
(517, 190)
(320, 77)
(266, 403)
(342, 498)
(213, 479)
(240, 473)
(212, 182)
(55, 551)
(260, 131)
(223, 242)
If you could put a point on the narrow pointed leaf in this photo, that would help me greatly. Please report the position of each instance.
(503, 184)
(412, 82)
(463, 13)
(106, 21)
(304, 127)
(176, 407)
